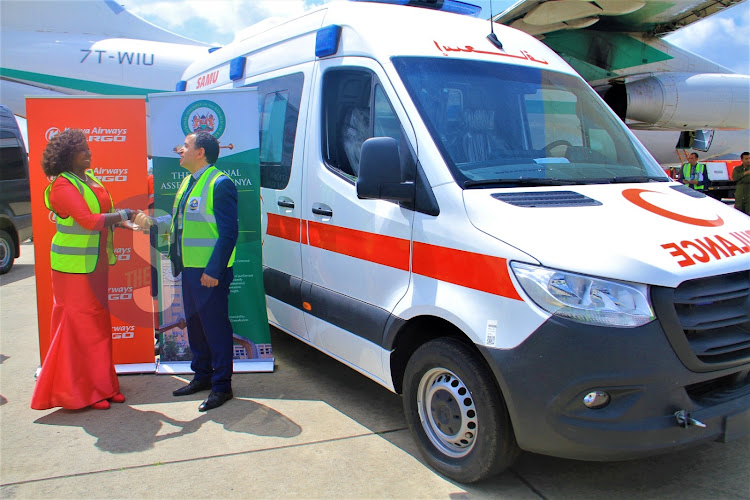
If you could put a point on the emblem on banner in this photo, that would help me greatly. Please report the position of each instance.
(204, 116)
(50, 133)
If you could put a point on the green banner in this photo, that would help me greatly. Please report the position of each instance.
(232, 117)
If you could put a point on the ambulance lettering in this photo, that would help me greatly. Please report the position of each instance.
(523, 54)
(703, 250)
(208, 79)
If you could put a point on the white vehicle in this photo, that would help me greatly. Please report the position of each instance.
(467, 223)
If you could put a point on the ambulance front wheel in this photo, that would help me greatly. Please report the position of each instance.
(456, 415)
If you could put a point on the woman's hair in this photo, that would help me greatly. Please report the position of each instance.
(60, 150)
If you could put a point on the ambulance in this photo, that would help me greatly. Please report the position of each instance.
(450, 210)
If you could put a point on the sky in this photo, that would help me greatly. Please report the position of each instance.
(723, 38)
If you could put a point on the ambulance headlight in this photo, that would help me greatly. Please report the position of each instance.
(585, 299)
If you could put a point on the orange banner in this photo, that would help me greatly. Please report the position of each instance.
(116, 130)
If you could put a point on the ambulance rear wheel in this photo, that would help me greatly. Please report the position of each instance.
(455, 413)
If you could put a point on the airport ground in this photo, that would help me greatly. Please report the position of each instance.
(311, 429)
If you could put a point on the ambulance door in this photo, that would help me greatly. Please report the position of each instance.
(282, 139)
(355, 253)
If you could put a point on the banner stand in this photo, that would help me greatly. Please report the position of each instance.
(173, 368)
(232, 117)
(238, 366)
(115, 128)
(135, 368)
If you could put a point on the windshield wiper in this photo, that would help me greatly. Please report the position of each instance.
(521, 182)
(635, 178)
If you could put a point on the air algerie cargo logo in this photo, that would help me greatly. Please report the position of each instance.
(204, 116)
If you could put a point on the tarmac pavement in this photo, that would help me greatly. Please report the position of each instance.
(311, 429)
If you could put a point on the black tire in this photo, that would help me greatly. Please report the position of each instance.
(7, 252)
(456, 414)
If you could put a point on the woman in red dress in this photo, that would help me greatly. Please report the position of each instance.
(78, 371)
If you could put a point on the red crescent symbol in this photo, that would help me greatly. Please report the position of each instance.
(634, 197)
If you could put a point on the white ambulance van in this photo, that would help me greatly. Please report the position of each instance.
(466, 222)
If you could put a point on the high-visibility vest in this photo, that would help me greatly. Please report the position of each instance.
(700, 169)
(75, 249)
(199, 229)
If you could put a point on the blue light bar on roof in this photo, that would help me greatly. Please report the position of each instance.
(237, 68)
(454, 6)
(180, 86)
(327, 40)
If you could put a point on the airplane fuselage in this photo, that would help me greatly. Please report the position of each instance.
(36, 63)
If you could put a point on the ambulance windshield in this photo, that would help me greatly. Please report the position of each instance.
(506, 125)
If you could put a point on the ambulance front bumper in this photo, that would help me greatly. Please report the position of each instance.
(545, 380)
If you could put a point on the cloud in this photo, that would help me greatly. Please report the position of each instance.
(721, 38)
(215, 21)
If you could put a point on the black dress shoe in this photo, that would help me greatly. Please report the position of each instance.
(192, 388)
(214, 400)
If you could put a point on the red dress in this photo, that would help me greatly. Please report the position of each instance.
(78, 370)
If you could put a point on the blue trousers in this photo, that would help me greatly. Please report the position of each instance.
(208, 327)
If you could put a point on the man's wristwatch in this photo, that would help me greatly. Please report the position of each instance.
(125, 214)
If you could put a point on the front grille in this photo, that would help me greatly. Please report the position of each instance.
(716, 391)
(708, 320)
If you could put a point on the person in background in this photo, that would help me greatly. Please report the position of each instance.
(78, 371)
(203, 232)
(694, 173)
(741, 175)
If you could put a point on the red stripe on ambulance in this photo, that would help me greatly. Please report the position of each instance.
(385, 250)
(471, 270)
(287, 228)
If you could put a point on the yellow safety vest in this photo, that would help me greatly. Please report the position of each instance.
(199, 229)
(700, 168)
(75, 249)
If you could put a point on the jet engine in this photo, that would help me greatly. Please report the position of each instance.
(681, 101)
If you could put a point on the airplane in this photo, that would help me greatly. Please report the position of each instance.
(672, 100)
(74, 47)
(669, 97)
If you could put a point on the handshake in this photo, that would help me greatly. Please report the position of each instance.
(136, 219)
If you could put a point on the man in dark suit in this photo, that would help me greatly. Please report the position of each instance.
(203, 234)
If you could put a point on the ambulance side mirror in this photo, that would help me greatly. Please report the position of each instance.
(380, 176)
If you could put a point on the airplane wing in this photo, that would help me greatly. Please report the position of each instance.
(607, 39)
(653, 17)
(618, 47)
(104, 18)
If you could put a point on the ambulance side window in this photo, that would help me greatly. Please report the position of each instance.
(355, 108)
(279, 113)
(346, 118)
